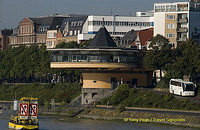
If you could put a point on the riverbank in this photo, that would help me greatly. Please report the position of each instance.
(141, 117)
(133, 115)
(138, 115)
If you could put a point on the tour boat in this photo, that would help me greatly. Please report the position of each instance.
(27, 115)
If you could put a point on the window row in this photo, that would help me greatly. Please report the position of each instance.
(27, 29)
(170, 26)
(77, 23)
(170, 35)
(112, 23)
(94, 58)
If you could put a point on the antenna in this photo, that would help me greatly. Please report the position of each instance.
(103, 22)
(114, 23)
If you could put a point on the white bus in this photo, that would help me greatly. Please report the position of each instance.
(183, 88)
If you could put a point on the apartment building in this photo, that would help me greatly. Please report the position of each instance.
(177, 21)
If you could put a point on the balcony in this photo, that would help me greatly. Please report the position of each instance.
(182, 30)
(181, 39)
(185, 20)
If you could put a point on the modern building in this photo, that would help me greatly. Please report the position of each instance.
(104, 66)
(117, 26)
(177, 21)
(4, 38)
(145, 13)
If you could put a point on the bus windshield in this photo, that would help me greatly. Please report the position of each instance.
(189, 87)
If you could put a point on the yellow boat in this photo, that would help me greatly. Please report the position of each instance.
(27, 115)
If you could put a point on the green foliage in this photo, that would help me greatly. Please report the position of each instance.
(31, 64)
(121, 108)
(164, 83)
(71, 44)
(148, 99)
(161, 54)
(184, 60)
(121, 93)
(62, 93)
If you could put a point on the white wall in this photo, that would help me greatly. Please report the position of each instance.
(92, 28)
(159, 23)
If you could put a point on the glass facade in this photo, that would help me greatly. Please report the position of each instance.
(95, 56)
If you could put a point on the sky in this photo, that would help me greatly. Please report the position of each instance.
(13, 11)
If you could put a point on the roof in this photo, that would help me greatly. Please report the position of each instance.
(44, 21)
(6, 32)
(144, 36)
(102, 39)
(56, 23)
(180, 80)
(73, 18)
(95, 49)
(131, 35)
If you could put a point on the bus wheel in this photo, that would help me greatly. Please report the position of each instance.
(181, 93)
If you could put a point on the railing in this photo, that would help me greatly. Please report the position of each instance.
(185, 20)
(182, 30)
(181, 39)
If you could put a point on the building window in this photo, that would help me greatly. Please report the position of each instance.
(54, 34)
(170, 16)
(70, 33)
(170, 35)
(170, 26)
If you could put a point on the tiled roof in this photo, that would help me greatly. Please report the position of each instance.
(144, 36)
(102, 39)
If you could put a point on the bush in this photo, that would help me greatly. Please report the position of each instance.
(121, 108)
(147, 99)
(163, 84)
(44, 92)
(120, 94)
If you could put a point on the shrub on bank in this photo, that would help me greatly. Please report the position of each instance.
(44, 92)
(131, 97)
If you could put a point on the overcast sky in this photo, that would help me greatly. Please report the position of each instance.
(12, 11)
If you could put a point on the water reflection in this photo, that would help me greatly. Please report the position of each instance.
(60, 123)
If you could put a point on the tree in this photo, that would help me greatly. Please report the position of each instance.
(71, 44)
(187, 61)
(161, 54)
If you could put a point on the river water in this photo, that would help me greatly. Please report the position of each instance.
(57, 123)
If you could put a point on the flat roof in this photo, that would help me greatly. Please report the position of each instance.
(94, 49)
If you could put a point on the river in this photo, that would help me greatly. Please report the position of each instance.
(56, 123)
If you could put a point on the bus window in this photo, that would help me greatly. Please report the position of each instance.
(189, 87)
